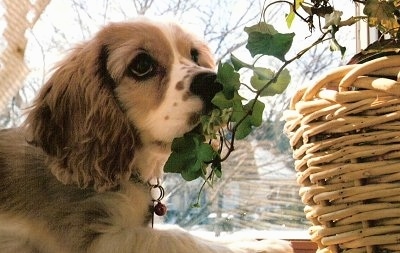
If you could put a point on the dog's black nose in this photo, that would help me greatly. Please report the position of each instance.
(205, 86)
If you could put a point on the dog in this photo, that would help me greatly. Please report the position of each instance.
(74, 177)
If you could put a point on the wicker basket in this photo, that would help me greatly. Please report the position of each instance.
(345, 133)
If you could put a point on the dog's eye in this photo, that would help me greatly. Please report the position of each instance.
(194, 53)
(142, 66)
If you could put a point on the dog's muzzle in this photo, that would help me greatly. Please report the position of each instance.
(205, 86)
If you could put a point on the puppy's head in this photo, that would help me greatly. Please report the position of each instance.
(132, 86)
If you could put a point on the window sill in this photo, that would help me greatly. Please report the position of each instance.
(303, 246)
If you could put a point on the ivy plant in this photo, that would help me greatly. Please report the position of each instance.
(201, 152)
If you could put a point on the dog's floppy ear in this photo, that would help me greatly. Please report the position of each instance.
(78, 122)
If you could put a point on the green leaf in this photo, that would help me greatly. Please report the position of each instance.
(251, 117)
(244, 129)
(264, 39)
(182, 153)
(229, 97)
(223, 103)
(205, 153)
(257, 108)
(195, 171)
(238, 111)
(190, 156)
(290, 17)
(176, 163)
(262, 76)
(183, 144)
(238, 64)
(229, 79)
(263, 73)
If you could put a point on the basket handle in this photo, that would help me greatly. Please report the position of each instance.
(334, 74)
(367, 68)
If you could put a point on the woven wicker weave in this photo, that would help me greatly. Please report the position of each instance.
(345, 133)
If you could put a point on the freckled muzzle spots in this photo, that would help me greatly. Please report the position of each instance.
(179, 85)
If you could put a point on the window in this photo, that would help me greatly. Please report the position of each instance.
(258, 191)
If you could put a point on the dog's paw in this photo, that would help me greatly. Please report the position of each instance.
(262, 246)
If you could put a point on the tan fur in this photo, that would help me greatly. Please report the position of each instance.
(74, 178)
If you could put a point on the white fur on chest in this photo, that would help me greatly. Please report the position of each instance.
(129, 207)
